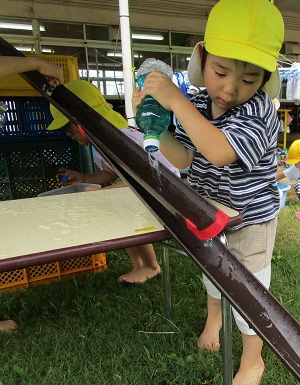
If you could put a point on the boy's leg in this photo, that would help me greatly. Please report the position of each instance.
(254, 248)
(252, 365)
(210, 337)
(144, 262)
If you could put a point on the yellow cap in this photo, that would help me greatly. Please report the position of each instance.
(293, 155)
(91, 96)
(247, 30)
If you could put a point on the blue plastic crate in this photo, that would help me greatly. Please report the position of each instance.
(27, 118)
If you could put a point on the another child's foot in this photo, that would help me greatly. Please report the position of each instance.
(139, 275)
(250, 374)
(210, 337)
(8, 326)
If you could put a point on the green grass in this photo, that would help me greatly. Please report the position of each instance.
(93, 331)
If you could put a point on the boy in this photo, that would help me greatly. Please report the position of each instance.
(227, 136)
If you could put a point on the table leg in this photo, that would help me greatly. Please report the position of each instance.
(167, 281)
(226, 313)
(227, 342)
(166, 275)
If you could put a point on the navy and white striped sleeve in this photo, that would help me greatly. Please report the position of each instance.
(252, 131)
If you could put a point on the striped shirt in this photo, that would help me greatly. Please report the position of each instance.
(247, 185)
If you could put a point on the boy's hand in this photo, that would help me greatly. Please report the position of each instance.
(136, 99)
(161, 87)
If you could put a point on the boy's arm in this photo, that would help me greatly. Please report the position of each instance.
(207, 138)
(172, 149)
(180, 156)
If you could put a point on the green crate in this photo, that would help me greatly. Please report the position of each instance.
(29, 168)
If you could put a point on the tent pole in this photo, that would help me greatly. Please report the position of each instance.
(127, 59)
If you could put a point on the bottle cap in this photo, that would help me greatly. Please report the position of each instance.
(151, 144)
(64, 178)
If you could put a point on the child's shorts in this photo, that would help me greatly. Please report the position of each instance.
(253, 246)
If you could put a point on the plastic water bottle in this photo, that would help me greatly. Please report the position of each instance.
(151, 117)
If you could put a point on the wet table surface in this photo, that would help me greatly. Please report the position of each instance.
(51, 228)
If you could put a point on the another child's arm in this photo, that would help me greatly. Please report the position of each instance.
(102, 177)
(280, 175)
(290, 173)
(115, 185)
(10, 65)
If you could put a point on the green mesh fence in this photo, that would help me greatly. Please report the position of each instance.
(28, 169)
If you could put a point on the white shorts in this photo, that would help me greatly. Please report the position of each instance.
(253, 246)
(264, 276)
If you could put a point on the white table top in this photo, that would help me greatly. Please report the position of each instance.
(59, 221)
(56, 227)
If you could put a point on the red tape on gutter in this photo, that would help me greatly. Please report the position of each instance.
(212, 230)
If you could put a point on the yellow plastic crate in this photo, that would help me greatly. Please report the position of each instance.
(15, 85)
(51, 272)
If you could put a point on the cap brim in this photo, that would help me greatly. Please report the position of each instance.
(109, 114)
(112, 116)
(91, 96)
(195, 77)
(194, 68)
(293, 161)
(272, 87)
(58, 123)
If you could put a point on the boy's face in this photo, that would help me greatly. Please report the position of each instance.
(230, 83)
(74, 133)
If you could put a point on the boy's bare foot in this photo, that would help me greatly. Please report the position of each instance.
(139, 275)
(250, 374)
(209, 338)
(8, 326)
